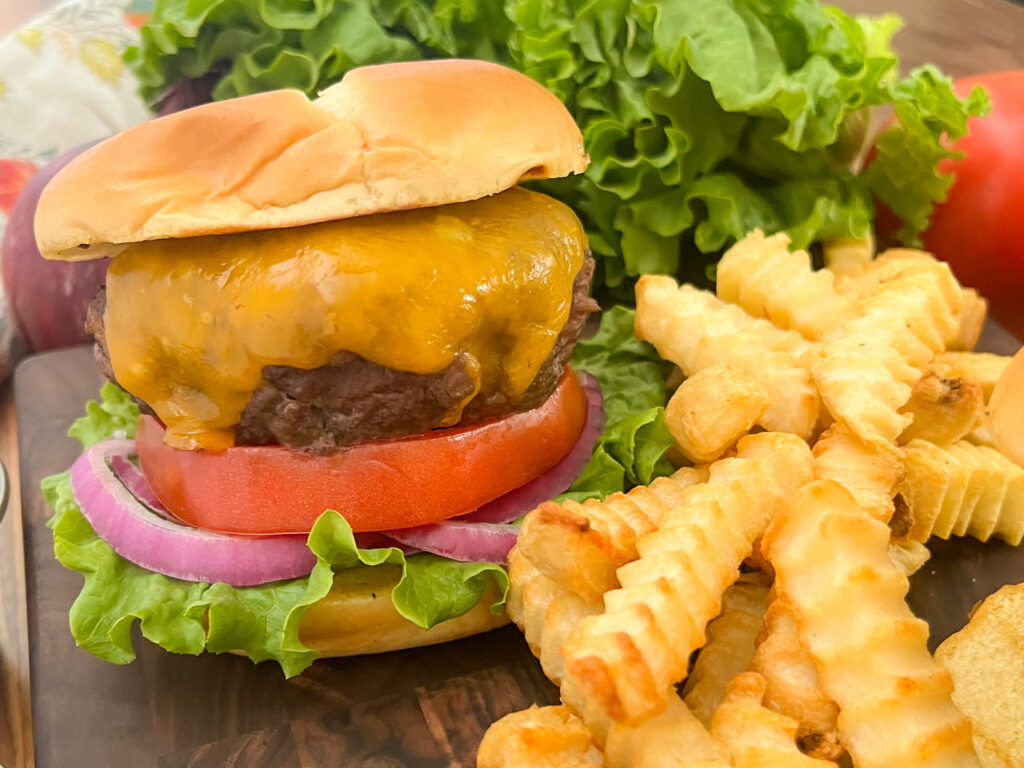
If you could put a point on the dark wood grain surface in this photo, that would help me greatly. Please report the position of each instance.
(419, 708)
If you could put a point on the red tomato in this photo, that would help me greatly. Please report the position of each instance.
(979, 230)
(375, 486)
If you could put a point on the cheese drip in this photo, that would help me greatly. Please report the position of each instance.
(190, 324)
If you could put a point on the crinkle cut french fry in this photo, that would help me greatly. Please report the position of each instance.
(579, 546)
(832, 565)
(672, 739)
(544, 611)
(869, 471)
(538, 737)
(983, 368)
(730, 645)
(962, 489)
(623, 661)
(754, 736)
(791, 683)
(944, 409)
(713, 409)
(695, 330)
(768, 280)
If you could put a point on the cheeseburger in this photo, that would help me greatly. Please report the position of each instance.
(344, 304)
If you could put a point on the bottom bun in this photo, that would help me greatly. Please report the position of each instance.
(357, 617)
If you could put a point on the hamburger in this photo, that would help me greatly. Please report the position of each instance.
(340, 332)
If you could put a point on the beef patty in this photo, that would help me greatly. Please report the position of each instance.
(351, 400)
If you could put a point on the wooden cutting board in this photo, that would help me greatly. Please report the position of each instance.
(423, 708)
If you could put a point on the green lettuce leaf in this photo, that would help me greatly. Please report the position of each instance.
(633, 445)
(190, 618)
(703, 119)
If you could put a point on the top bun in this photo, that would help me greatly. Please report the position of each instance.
(386, 138)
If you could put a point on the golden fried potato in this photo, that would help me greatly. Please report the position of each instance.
(623, 661)
(538, 737)
(791, 683)
(982, 368)
(1006, 410)
(869, 471)
(909, 555)
(832, 566)
(695, 330)
(962, 489)
(987, 665)
(672, 739)
(713, 409)
(579, 546)
(730, 645)
(754, 736)
(768, 280)
(944, 409)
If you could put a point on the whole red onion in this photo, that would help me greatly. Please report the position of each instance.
(48, 299)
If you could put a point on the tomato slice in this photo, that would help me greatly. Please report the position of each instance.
(376, 486)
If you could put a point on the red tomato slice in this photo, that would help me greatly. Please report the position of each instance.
(375, 486)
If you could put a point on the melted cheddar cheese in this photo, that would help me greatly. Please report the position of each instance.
(190, 324)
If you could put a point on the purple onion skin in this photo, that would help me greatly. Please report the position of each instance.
(48, 299)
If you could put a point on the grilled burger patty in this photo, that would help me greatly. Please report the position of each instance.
(352, 400)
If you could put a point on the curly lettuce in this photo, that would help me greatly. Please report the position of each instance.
(703, 119)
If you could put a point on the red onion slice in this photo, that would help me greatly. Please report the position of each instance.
(466, 542)
(167, 547)
(554, 481)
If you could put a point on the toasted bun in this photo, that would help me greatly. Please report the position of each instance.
(385, 138)
(357, 617)
(1006, 410)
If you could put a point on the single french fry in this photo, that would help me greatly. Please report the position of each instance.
(791, 683)
(695, 330)
(962, 489)
(768, 280)
(754, 736)
(848, 255)
(623, 661)
(730, 645)
(944, 409)
(579, 546)
(833, 567)
(538, 737)
(713, 409)
(972, 321)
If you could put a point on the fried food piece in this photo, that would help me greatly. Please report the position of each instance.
(538, 737)
(730, 645)
(987, 665)
(972, 321)
(848, 255)
(869, 471)
(544, 611)
(833, 568)
(1006, 410)
(944, 409)
(672, 739)
(982, 368)
(768, 280)
(579, 546)
(962, 489)
(757, 737)
(791, 683)
(713, 409)
(622, 662)
(695, 330)
(909, 555)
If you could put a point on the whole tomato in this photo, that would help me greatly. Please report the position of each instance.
(979, 229)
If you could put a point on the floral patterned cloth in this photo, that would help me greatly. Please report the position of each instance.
(62, 83)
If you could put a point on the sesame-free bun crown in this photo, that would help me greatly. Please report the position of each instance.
(387, 137)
